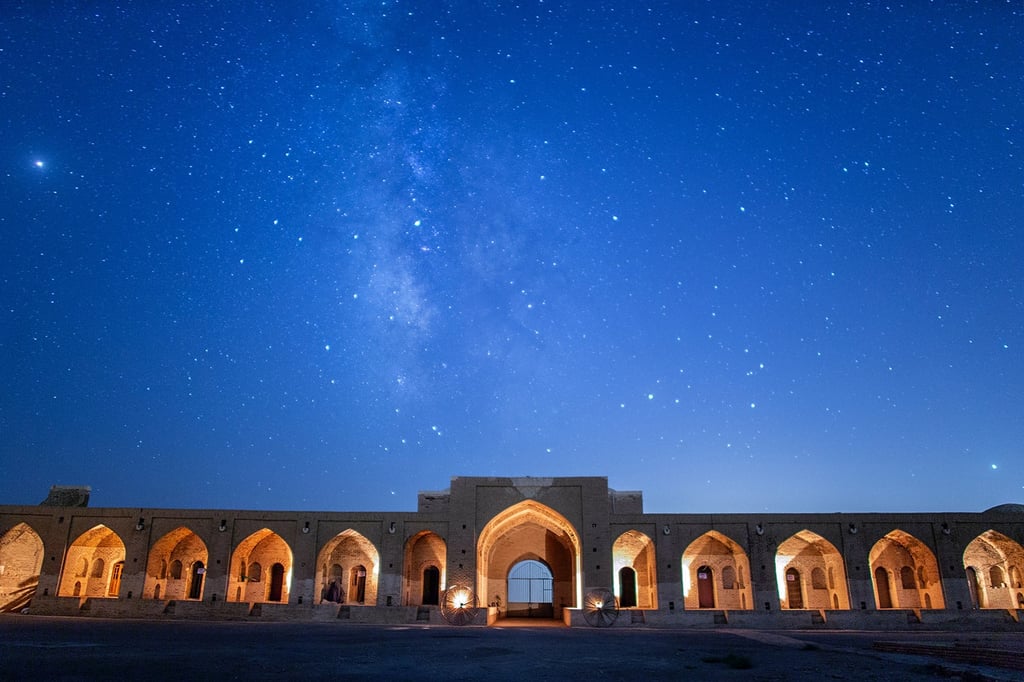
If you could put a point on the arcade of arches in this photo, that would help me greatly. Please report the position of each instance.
(527, 547)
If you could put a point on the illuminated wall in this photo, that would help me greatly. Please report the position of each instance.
(21, 559)
(68, 560)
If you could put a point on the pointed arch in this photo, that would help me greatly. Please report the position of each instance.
(994, 564)
(813, 557)
(910, 570)
(634, 550)
(351, 563)
(101, 549)
(704, 563)
(262, 548)
(529, 530)
(21, 555)
(176, 562)
(424, 551)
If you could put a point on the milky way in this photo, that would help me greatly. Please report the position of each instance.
(741, 256)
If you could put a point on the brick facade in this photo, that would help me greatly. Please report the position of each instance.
(773, 570)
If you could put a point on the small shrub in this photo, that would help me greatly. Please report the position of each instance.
(734, 661)
(737, 662)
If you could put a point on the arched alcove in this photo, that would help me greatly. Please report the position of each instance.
(812, 558)
(103, 551)
(994, 564)
(716, 574)
(633, 550)
(21, 555)
(176, 566)
(905, 573)
(424, 551)
(529, 530)
(248, 580)
(352, 564)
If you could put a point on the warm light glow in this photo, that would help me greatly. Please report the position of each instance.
(598, 604)
(460, 599)
(781, 561)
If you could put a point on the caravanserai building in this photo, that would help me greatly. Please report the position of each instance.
(566, 549)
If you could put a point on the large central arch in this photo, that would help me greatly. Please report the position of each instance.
(529, 530)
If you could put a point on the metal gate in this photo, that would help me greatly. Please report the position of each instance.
(530, 590)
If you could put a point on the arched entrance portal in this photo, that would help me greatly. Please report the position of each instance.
(528, 532)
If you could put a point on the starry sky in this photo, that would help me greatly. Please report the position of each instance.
(742, 256)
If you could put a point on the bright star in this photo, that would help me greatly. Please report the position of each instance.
(38, 163)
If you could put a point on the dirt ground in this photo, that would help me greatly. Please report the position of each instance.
(73, 649)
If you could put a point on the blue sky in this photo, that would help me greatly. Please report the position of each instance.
(740, 256)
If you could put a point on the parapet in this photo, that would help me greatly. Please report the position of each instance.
(67, 496)
(626, 501)
(434, 502)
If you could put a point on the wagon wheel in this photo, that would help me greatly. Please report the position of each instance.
(458, 605)
(600, 608)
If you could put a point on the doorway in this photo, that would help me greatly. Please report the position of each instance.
(431, 586)
(115, 579)
(705, 588)
(276, 583)
(357, 587)
(794, 590)
(882, 586)
(627, 587)
(530, 585)
(195, 588)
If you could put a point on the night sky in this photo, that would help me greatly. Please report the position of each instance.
(742, 256)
